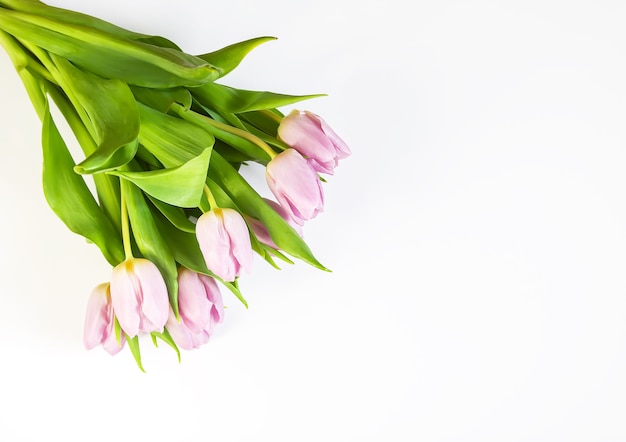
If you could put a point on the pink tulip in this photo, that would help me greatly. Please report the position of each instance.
(200, 307)
(139, 296)
(314, 139)
(100, 321)
(224, 240)
(261, 232)
(295, 185)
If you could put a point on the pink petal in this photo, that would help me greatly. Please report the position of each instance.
(342, 149)
(110, 341)
(295, 185)
(96, 317)
(303, 132)
(200, 338)
(153, 294)
(323, 167)
(193, 303)
(311, 136)
(214, 243)
(284, 214)
(261, 232)
(124, 289)
(215, 297)
(241, 248)
(183, 336)
(179, 332)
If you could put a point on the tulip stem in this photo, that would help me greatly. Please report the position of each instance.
(195, 118)
(21, 60)
(210, 197)
(128, 251)
(272, 115)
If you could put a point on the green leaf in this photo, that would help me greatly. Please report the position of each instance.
(108, 158)
(184, 246)
(277, 253)
(167, 338)
(222, 117)
(65, 15)
(156, 40)
(162, 99)
(226, 99)
(234, 288)
(107, 187)
(231, 154)
(175, 215)
(77, 18)
(133, 344)
(109, 55)
(108, 110)
(149, 161)
(172, 140)
(229, 57)
(149, 240)
(70, 198)
(180, 186)
(251, 203)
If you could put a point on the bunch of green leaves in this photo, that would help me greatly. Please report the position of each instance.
(155, 126)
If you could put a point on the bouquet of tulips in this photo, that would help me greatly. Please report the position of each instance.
(164, 142)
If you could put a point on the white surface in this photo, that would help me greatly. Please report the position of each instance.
(477, 238)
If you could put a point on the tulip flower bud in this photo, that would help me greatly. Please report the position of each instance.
(224, 240)
(201, 309)
(261, 232)
(100, 321)
(309, 134)
(295, 185)
(139, 296)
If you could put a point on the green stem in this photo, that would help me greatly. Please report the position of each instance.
(43, 57)
(68, 111)
(243, 134)
(192, 116)
(22, 61)
(12, 48)
(126, 229)
(37, 68)
(210, 197)
(272, 115)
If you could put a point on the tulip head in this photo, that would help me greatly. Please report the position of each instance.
(295, 185)
(224, 240)
(100, 321)
(309, 134)
(201, 309)
(139, 296)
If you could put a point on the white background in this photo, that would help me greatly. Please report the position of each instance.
(477, 238)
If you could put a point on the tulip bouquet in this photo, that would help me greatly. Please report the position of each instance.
(164, 142)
